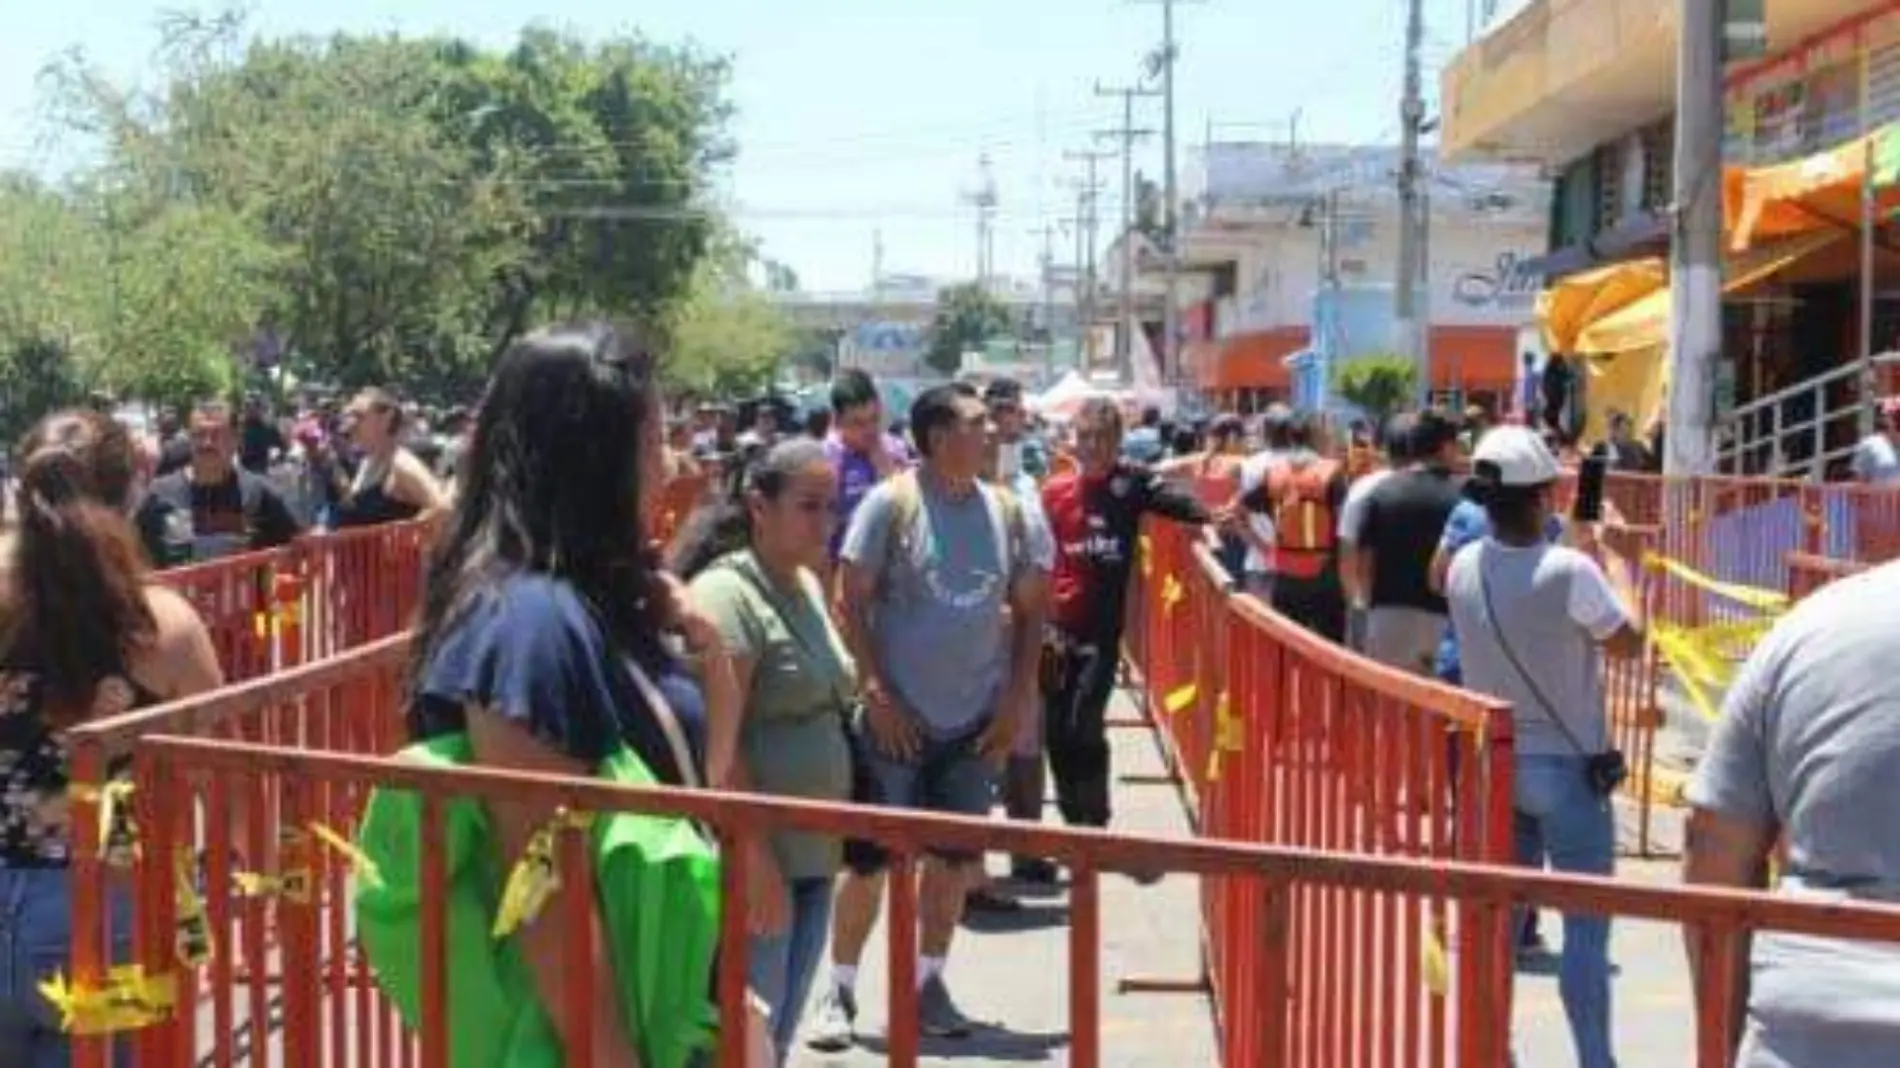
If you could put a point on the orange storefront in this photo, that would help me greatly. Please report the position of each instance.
(1247, 371)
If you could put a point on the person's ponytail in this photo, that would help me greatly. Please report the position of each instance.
(74, 602)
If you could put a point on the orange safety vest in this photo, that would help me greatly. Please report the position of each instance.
(1305, 525)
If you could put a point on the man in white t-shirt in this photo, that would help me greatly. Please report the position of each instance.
(1876, 459)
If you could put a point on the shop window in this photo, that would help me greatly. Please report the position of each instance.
(1659, 164)
(1609, 187)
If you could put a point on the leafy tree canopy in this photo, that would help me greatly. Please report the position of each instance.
(386, 209)
(967, 316)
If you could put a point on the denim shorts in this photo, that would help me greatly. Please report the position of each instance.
(36, 935)
(947, 776)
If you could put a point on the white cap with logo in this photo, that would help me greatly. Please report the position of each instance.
(1514, 456)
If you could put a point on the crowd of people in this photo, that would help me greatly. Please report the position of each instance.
(920, 610)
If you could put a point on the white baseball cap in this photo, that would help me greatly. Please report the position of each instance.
(1514, 456)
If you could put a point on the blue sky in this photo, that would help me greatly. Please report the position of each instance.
(859, 116)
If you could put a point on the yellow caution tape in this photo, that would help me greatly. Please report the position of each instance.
(1180, 697)
(535, 877)
(128, 1000)
(361, 865)
(1753, 596)
(1436, 970)
(1171, 593)
(192, 932)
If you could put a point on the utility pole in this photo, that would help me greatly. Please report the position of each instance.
(1695, 246)
(1161, 63)
(1047, 232)
(1405, 318)
(1088, 203)
(983, 198)
(1127, 135)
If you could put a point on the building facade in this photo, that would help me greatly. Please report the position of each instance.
(1586, 89)
(1283, 237)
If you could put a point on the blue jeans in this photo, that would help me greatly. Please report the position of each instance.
(780, 967)
(36, 937)
(1560, 818)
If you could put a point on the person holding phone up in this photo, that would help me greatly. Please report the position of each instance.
(1532, 620)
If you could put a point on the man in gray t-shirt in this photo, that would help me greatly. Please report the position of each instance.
(1808, 751)
(930, 563)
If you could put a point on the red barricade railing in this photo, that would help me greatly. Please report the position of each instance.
(1808, 573)
(348, 703)
(328, 1010)
(1280, 737)
(318, 596)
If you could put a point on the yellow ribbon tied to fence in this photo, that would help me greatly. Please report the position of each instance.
(1230, 736)
(1172, 593)
(111, 799)
(536, 876)
(128, 999)
(192, 931)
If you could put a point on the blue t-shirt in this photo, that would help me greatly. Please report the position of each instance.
(532, 650)
(1466, 524)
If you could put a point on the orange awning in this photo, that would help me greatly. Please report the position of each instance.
(1255, 360)
(1645, 323)
(1474, 357)
(1818, 192)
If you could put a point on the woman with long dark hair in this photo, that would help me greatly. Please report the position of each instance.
(84, 634)
(754, 561)
(550, 635)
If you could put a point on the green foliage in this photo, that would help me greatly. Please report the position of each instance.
(1379, 384)
(725, 336)
(396, 210)
(967, 317)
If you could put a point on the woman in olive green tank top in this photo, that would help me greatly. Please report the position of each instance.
(752, 563)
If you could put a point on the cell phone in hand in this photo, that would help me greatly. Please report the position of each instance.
(1590, 475)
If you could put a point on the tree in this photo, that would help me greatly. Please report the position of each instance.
(967, 316)
(399, 210)
(1378, 385)
(726, 336)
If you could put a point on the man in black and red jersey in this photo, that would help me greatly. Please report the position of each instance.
(1094, 515)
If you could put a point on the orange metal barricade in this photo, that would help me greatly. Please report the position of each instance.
(348, 703)
(318, 596)
(1808, 572)
(328, 1010)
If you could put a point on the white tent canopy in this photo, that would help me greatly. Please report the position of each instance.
(1062, 400)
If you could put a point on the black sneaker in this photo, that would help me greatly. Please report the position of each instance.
(1035, 871)
(937, 1015)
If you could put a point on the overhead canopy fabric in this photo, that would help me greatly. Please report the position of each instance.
(1818, 192)
(1571, 304)
(1644, 323)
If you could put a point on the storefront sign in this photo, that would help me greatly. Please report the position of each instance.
(1511, 285)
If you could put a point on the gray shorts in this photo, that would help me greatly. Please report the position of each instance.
(1404, 638)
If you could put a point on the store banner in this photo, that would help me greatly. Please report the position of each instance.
(1744, 30)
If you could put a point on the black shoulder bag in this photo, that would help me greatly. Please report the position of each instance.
(1606, 770)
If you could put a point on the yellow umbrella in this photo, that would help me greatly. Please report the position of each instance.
(1568, 306)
